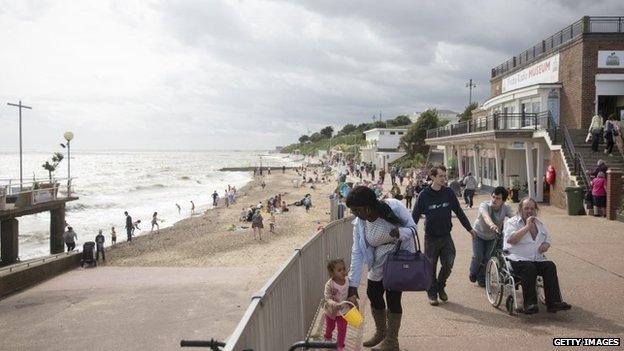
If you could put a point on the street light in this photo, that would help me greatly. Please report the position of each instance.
(20, 106)
(68, 136)
(470, 84)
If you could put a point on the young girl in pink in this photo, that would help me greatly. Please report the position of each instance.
(599, 193)
(336, 291)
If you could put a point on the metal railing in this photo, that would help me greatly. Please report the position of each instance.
(497, 121)
(282, 313)
(575, 30)
(27, 264)
(32, 192)
(578, 164)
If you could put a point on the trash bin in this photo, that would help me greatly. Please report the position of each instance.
(574, 196)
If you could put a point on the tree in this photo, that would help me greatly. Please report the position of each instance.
(316, 137)
(51, 167)
(379, 124)
(398, 121)
(303, 139)
(413, 142)
(467, 114)
(327, 132)
(348, 129)
(363, 127)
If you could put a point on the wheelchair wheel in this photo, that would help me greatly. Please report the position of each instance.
(539, 287)
(493, 283)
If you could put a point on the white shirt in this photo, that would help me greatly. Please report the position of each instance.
(526, 249)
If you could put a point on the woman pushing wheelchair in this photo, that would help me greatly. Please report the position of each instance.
(526, 240)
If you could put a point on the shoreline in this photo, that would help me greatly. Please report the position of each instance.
(205, 241)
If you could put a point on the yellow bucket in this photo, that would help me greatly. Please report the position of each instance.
(353, 316)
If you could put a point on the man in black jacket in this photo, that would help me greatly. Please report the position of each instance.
(129, 226)
(436, 203)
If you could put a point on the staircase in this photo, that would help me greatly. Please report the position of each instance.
(591, 158)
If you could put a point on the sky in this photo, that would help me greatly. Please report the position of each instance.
(249, 74)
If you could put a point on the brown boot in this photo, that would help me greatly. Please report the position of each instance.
(379, 316)
(391, 342)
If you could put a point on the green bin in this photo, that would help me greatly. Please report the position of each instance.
(574, 197)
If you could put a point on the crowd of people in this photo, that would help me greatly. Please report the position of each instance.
(382, 219)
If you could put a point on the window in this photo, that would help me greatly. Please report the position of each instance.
(392, 133)
(381, 133)
(400, 133)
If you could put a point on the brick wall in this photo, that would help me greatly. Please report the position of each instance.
(592, 43)
(570, 66)
(496, 86)
(557, 190)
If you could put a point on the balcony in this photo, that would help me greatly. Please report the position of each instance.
(514, 123)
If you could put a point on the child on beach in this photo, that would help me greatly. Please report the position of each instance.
(272, 223)
(256, 224)
(155, 221)
(113, 236)
(336, 291)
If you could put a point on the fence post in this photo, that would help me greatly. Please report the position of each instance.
(614, 192)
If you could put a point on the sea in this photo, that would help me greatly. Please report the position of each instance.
(140, 182)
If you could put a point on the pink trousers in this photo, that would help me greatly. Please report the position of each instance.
(330, 325)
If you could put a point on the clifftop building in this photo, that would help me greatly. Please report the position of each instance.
(541, 104)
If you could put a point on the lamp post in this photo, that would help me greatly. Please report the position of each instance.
(20, 106)
(68, 136)
(470, 85)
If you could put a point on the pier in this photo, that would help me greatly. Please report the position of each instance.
(32, 199)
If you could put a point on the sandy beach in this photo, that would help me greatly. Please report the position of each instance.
(205, 241)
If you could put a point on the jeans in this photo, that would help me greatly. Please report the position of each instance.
(97, 255)
(443, 249)
(596, 140)
(610, 142)
(481, 250)
(375, 292)
(330, 325)
(528, 272)
(468, 194)
(129, 233)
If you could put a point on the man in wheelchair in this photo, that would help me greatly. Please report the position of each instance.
(526, 240)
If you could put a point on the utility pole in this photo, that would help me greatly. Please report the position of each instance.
(470, 85)
(20, 106)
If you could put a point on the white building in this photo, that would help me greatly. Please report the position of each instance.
(382, 146)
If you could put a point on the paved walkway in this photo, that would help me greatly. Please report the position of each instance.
(588, 253)
(125, 308)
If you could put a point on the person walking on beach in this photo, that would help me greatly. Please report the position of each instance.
(192, 208)
(256, 224)
(379, 225)
(135, 225)
(99, 246)
(179, 209)
(283, 169)
(215, 199)
(226, 199)
(129, 226)
(155, 222)
(113, 236)
(268, 170)
(335, 298)
(436, 202)
(70, 237)
(471, 186)
(307, 202)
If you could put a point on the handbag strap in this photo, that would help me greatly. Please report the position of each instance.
(416, 242)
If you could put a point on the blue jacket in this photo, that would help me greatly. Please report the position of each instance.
(361, 252)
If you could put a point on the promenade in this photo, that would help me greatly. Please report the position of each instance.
(588, 254)
(139, 308)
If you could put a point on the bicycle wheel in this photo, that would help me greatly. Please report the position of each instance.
(493, 282)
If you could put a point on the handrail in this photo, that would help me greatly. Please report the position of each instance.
(583, 170)
(587, 24)
(567, 141)
(495, 121)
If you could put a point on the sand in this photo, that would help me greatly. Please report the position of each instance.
(204, 241)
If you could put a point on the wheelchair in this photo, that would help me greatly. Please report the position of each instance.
(501, 283)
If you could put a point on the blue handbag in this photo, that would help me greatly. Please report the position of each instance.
(407, 271)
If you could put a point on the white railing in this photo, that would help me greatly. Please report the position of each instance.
(283, 311)
(32, 192)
